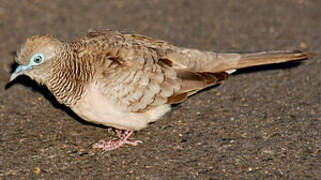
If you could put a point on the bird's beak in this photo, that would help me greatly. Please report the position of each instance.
(19, 71)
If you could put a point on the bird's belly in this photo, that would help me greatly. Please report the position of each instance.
(97, 108)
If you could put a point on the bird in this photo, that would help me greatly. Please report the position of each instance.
(126, 80)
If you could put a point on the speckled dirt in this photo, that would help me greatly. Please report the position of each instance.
(261, 123)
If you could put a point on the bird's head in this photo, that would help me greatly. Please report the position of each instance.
(36, 56)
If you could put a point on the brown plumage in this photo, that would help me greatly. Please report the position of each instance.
(126, 80)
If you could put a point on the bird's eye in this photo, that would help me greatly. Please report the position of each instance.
(37, 59)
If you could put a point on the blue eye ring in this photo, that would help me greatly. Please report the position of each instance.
(37, 59)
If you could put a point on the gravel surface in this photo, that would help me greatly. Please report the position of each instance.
(261, 123)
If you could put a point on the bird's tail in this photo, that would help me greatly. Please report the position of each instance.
(206, 61)
(270, 57)
(199, 70)
(260, 58)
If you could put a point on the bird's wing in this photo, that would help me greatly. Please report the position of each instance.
(138, 75)
(137, 80)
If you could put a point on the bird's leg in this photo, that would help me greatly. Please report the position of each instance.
(114, 144)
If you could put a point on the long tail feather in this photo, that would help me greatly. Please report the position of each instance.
(269, 57)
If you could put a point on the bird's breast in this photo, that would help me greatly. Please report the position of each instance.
(96, 107)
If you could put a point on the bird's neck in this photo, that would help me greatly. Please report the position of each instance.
(69, 77)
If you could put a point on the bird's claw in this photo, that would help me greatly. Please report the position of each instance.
(114, 144)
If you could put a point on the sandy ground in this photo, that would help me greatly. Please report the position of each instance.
(261, 123)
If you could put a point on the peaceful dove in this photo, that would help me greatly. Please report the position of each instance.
(126, 81)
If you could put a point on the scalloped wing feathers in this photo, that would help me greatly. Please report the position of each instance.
(137, 74)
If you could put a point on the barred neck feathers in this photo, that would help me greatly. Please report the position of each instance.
(69, 76)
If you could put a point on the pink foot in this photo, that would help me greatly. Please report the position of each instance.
(114, 144)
